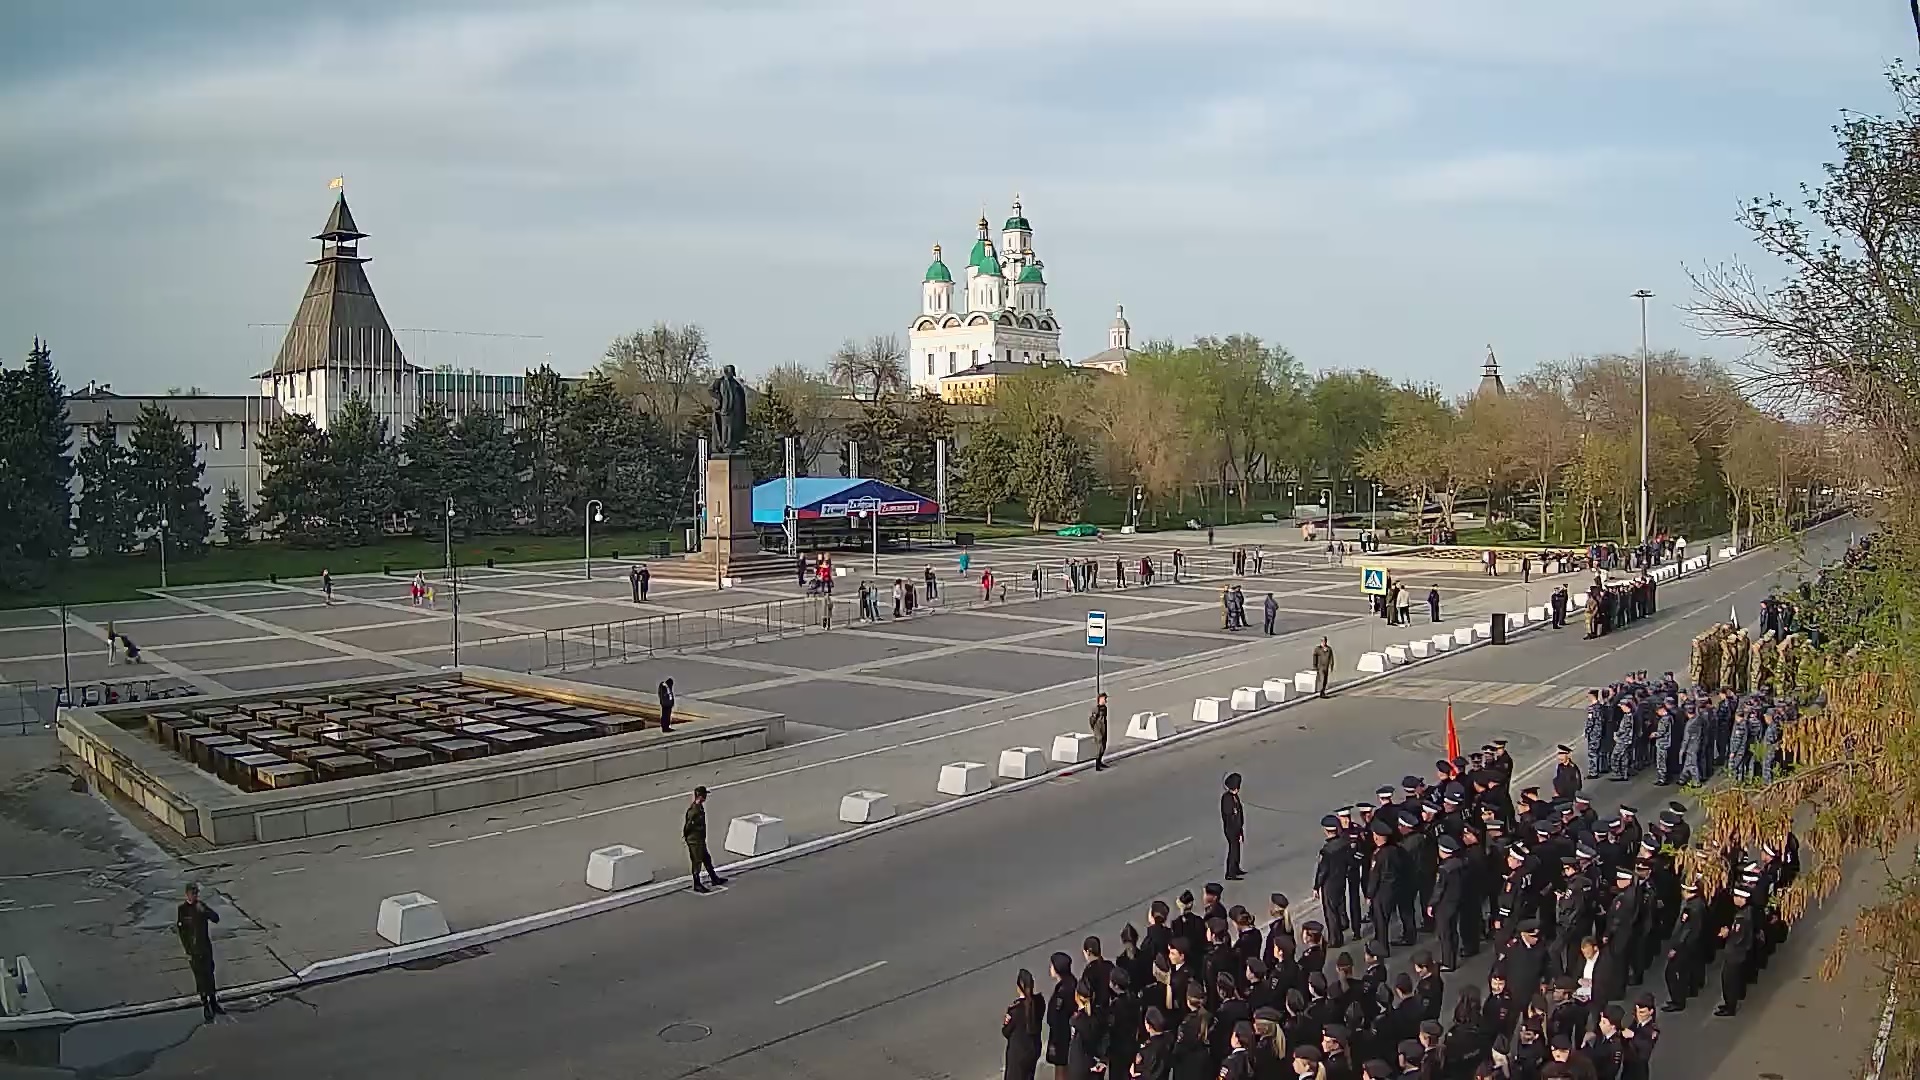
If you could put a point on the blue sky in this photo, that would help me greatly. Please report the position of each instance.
(1382, 183)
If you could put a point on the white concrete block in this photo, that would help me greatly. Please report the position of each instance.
(1419, 650)
(1211, 710)
(1443, 642)
(863, 807)
(1728, 553)
(1248, 698)
(1516, 620)
(411, 917)
(1537, 613)
(1150, 726)
(1577, 601)
(1074, 747)
(1372, 662)
(756, 834)
(1395, 654)
(1483, 630)
(616, 867)
(1278, 690)
(1306, 682)
(964, 778)
(1022, 762)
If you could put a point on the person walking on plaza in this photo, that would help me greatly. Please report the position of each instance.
(1433, 604)
(1526, 569)
(666, 705)
(326, 585)
(193, 921)
(1233, 820)
(1097, 723)
(933, 586)
(694, 832)
(1403, 604)
(1322, 667)
(633, 582)
(1269, 611)
(899, 596)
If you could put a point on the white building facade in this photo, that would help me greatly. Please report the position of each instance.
(1001, 315)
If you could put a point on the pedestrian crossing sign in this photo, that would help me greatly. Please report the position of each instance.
(1373, 581)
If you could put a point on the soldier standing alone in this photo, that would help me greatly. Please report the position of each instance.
(694, 832)
(1233, 820)
(1097, 723)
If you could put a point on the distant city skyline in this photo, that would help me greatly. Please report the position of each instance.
(1390, 185)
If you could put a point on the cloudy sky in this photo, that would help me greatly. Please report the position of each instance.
(1383, 183)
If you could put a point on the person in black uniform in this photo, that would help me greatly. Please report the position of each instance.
(1086, 1035)
(1386, 876)
(1154, 1059)
(1233, 820)
(1060, 1013)
(1449, 896)
(1686, 948)
(666, 705)
(193, 921)
(1736, 950)
(1330, 876)
(1023, 1027)
(694, 832)
(1566, 774)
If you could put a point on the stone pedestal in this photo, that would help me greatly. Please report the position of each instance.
(729, 540)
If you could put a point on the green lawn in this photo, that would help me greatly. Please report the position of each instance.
(85, 581)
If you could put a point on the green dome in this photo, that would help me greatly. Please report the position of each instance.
(1016, 222)
(937, 271)
(979, 252)
(1031, 275)
(989, 266)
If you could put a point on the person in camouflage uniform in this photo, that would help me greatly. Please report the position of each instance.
(1774, 731)
(1664, 744)
(1623, 732)
(1739, 753)
(1693, 743)
(1599, 706)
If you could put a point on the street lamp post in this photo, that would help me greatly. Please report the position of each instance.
(1327, 494)
(593, 514)
(163, 552)
(1646, 520)
(453, 586)
(1373, 525)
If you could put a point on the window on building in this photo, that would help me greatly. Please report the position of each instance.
(976, 359)
(953, 362)
(929, 364)
(309, 389)
(217, 440)
(1009, 356)
(1026, 358)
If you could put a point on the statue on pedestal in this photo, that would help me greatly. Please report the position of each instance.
(729, 413)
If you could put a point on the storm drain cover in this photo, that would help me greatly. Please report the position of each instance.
(684, 1032)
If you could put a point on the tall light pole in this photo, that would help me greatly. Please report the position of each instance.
(593, 514)
(163, 551)
(1374, 525)
(1646, 518)
(453, 586)
(1327, 493)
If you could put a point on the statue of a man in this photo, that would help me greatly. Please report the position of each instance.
(729, 412)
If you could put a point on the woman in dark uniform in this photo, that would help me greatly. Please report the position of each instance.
(1024, 1028)
(1192, 1045)
(1087, 1037)
(1060, 1014)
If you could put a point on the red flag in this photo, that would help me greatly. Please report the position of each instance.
(1453, 737)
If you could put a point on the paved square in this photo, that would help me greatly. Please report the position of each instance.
(845, 706)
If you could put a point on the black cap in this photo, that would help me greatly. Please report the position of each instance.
(1566, 982)
(1384, 789)
(1381, 828)
(1269, 1013)
(1278, 899)
(1329, 822)
(1410, 1049)
(1643, 1000)
(1312, 926)
(1337, 1031)
(1244, 1032)
(1449, 845)
(1500, 744)
(1156, 1017)
(1255, 968)
(1233, 781)
(1410, 782)
(1564, 748)
(1431, 1028)
(1529, 926)
(1186, 896)
(1214, 888)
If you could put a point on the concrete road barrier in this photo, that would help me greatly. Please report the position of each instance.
(1463, 636)
(1022, 762)
(411, 917)
(1306, 682)
(1372, 662)
(1074, 747)
(1278, 690)
(866, 807)
(1537, 613)
(616, 867)
(1420, 650)
(1248, 698)
(1150, 726)
(1396, 654)
(1211, 710)
(21, 991)
(1483, 630)
(1577, 601)
(964, 778)
(1516, 620)
(756, 834)
(1441, 642)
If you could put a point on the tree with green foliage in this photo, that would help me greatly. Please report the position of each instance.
(987, 465)
(428, 473)
(537, 448)
(663, 371)
(1349, 411)
(619, 455)
(926, 419)
(166, 472)
(882, 436)
(235, 520)
(108, 508)
(1051, 475)
(485, 473)
(769, 423)
(36, 505)
(299, 496)
(366, 472)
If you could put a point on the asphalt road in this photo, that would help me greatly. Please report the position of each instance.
(893, 957)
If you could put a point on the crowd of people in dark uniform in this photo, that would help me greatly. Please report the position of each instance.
(1611, 605)
(1577, 910)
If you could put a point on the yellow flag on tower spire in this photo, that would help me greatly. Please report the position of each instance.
(338, 183)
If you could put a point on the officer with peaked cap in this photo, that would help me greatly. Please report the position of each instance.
(1736, 952)
(1330, 877)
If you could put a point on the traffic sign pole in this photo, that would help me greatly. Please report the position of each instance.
(1097, 641)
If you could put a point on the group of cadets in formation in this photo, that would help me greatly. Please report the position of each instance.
(1576, 908)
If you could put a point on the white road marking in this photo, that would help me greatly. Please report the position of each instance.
(835, 981)
(90, 900)
(289, 870)
(384, 854)
(39, 907)
(1163, 848)
(1356, 767)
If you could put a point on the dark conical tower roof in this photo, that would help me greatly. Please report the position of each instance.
(1490, 382)
(339, 323)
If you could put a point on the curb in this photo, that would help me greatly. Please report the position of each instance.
(341, 967)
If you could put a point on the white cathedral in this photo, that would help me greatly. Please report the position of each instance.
(1003, 318)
